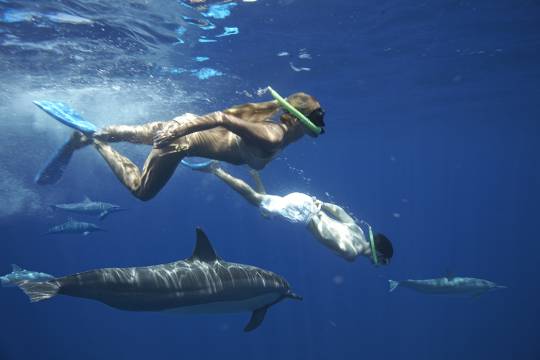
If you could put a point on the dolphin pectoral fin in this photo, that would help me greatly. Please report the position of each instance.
(477, 294)
(103, 215)
(256, 319)
(86, 233)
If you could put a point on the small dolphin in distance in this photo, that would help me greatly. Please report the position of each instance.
(74, 227)
(203, 283)
(448, 285)
(89, 207)
(19, 274)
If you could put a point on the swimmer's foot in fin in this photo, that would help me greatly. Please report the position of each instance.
(79, 140)
(204, 166)
(67, 116)
(54, 169)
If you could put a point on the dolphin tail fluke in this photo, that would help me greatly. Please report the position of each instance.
(256, 319)
(393, 285)
(16, 268)
(38, 291)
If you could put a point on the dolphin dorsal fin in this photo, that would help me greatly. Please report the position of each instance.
(86, 199)
(16, 268)
(203, 248)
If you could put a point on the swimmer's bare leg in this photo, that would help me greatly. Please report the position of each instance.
(338, 212)
(240, 186)
(158, 168)
(136, 134)
(259, 186)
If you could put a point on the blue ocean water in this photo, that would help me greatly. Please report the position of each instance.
(432, 136)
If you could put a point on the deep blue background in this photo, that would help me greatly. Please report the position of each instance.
(432, 114)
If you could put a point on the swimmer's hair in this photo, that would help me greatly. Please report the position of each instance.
(384, 246)
(262, 111)
(303, 102)
(254, 111)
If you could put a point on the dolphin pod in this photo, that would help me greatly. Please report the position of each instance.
(203, 283)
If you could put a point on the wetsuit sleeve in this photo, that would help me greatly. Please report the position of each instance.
(337, 212)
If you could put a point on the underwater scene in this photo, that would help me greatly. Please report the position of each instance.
(269, 179)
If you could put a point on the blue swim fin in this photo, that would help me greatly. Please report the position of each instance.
(53, 170)
(67, 116)
(202, 166)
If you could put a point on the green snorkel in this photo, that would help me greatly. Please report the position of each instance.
(296, 113)
(372, 244)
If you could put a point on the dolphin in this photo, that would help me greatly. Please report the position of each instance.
(448, 285)
(203, 283)
(74, 227)
(89, 207)
(19, 274)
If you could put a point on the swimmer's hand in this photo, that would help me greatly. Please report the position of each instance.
(167, 135)
(182, 126)
(318, 203)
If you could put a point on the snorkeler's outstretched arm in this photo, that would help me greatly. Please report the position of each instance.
(266, 135)
(338, 212)
(240, 186)
(259, 186)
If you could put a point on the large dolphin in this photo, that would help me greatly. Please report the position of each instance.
(203, 283)
(89, 207)
(448, 285)
(74, 227)
(19, 274)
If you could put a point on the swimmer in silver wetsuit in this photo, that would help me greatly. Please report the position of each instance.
(243, 134)
(328, 223)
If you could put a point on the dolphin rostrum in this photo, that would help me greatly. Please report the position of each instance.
(74, 227)
(89, 207)
(19, 274)
(448, 285)
(203, 283)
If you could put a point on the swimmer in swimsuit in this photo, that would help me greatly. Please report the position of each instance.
(328, 223)
(243, 134)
